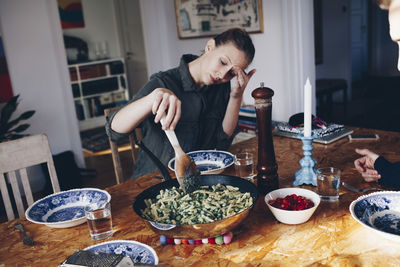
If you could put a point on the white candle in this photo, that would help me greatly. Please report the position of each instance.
(307, 108)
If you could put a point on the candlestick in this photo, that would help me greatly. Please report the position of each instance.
(267, 168)
(307, 173)
(307, 108)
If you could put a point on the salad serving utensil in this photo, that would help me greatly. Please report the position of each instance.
(361, 190)
(186, 171)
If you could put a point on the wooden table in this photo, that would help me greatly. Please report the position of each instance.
(331, 237)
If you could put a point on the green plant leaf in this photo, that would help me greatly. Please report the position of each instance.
(8, 110)
(23, 116)
(26, 115)
(7, 132)
(20, 128)
(17, 136)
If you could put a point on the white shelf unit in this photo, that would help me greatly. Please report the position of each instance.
(97, 85)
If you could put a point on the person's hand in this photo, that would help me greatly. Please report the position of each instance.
(365, 165)
(166, 102)
(240, 81)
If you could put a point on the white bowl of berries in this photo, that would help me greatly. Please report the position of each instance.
(292, 205)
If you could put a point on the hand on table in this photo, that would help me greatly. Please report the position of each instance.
(365, 165)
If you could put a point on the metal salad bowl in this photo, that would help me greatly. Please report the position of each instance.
(195, 231)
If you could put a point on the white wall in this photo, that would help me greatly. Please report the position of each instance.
(274, 67)
(100, 26)
(37, 65)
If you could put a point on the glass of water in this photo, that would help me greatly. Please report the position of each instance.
(328, 181)
(99, 221)
(244, 165)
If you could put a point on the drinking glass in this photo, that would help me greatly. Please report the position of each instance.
(328, 181)
(244, 165)
(99, 221)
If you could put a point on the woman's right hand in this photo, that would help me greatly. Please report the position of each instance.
(166, 102)
(365, 165)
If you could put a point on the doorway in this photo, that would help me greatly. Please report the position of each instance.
(115, 27)
(129, 23)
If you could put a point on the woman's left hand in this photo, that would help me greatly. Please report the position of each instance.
(240, 81)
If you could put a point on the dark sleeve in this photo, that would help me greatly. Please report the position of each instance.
(154, 82)
(390, 172)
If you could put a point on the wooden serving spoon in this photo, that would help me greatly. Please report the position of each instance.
(186, 170)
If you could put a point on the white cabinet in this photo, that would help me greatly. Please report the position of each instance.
(97, 85)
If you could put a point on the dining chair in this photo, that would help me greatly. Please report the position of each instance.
(136, 134)
(15, 157)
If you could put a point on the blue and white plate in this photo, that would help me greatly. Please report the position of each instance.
(209, 161)
(66, 209)
(139, 252)
(380, 212)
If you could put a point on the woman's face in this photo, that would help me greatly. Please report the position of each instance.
(394, 22)
(221, 63)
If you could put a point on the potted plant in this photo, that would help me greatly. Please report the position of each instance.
(11, 129)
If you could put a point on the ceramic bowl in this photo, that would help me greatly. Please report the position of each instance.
(292, 216)
(379, 212)
(209, 161)
(66, 208)
(139, 252)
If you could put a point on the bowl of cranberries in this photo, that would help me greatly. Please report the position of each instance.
(292, 205)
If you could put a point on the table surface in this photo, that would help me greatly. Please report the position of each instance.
(331, 237)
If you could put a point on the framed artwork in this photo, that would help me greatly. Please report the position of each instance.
(71, 14)
(202, 18)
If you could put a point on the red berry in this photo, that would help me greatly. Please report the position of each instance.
(292, 202)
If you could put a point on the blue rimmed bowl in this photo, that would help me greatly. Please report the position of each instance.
(209, 161)
(139, 252)
(379, 212)
(66, 209)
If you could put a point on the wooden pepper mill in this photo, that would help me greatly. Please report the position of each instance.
(267, 177)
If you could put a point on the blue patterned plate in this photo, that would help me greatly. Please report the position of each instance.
(209, 161)
(139, 252)
(379, 211)
(65, 209)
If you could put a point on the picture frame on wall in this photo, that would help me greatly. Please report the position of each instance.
(204, 18)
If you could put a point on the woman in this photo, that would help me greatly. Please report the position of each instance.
(372, 166)
(196, 98)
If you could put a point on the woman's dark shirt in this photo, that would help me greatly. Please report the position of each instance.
(200, 125)
(390, 172)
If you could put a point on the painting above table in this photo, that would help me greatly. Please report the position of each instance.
(200, 18)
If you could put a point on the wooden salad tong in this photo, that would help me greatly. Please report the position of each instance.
(186, 171)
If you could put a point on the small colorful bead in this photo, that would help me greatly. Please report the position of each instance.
(204, 241)
(184, 241)
(170, 240)
(219, 240)
(197, 242)
(211, 240)
(191, 242)
(227, 238)
(163, 240)
(177, 241)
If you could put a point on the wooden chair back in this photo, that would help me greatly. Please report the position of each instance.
(17, 156)
(119, 176)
